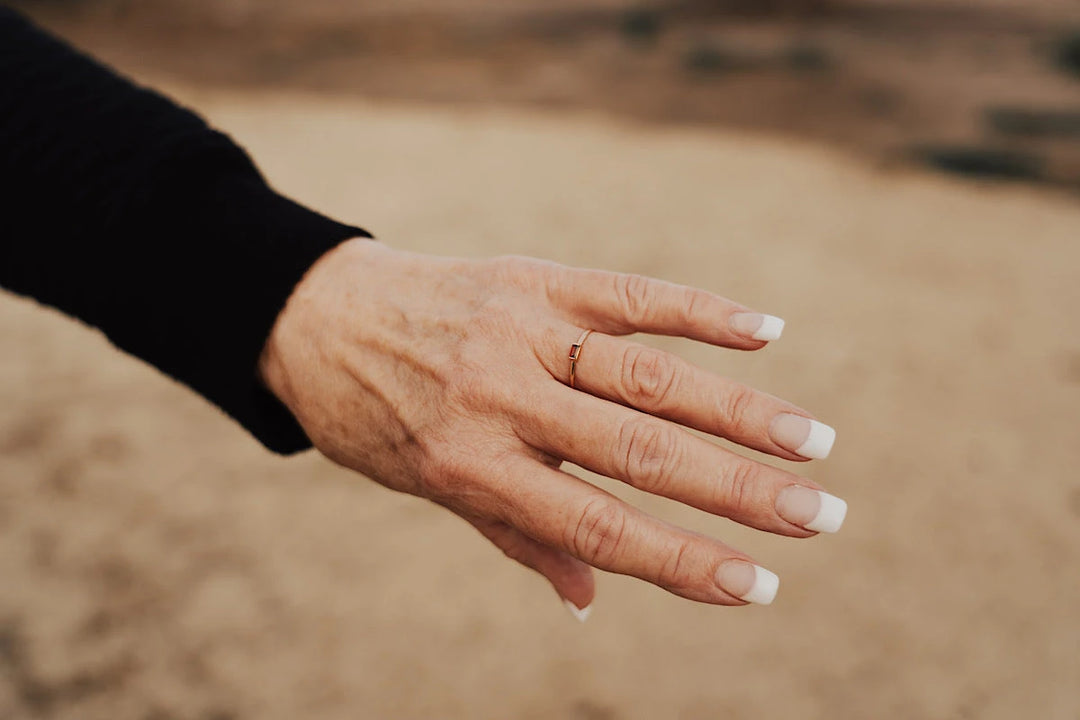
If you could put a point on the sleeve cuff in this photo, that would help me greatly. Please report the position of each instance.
(261, 245)
(298, 237)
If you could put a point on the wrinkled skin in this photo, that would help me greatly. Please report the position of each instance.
(447, 379)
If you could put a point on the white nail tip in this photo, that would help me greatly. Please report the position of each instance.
(582, 614)
(819, 442)
(771, 328)
(830, 515)
(763, 592)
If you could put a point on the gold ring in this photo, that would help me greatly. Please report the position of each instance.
(575, 353)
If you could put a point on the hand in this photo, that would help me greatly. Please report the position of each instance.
(448, 379)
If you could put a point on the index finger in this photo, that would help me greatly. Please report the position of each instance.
(564, 512)
(621, 303)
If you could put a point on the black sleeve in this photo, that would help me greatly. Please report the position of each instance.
(130, 213)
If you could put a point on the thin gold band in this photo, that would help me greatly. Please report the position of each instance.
(575, 353)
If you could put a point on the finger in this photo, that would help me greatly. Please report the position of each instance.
(571, 578)
(619, 303)
(662, 384)
(562, 511)
(661, 458)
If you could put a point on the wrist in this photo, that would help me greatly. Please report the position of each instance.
(290, 335)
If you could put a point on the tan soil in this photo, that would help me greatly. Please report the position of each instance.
(156, 563)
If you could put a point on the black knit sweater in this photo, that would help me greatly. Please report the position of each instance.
(130, 213)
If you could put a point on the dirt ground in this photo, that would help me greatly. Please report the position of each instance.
(157, 564)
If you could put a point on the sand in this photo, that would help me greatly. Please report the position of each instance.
(156, 563)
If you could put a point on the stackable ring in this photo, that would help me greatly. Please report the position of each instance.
(575, 353)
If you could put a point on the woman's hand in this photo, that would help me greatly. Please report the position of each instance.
(448, 379)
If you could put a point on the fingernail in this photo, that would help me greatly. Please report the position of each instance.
(811, 509)
(802, 436)
(747, 581)
(582, 614)
(756, 326)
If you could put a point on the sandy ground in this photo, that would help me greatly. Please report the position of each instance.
(156, 563)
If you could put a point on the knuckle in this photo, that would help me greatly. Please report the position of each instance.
(438, 485)
(635, 295)
(598, 536)
(735, 491)
(738, 402)
(694, 305)
(467, 380)
(522, 272)
(468, 393)
(649, 377)
(464, 383)
(673, 572)
(495, 317)
(647, 451)
(511, 262)
(463, 480)
(509, 265)
(443, 474)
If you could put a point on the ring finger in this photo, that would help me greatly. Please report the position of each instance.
(665, 385)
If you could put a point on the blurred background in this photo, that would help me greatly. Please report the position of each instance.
(898, 180)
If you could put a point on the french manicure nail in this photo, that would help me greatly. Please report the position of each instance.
(802, 436)
(756, 326)
(582, 614)
(811, 509)
(747, 581)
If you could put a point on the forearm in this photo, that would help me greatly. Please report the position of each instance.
(129, 212)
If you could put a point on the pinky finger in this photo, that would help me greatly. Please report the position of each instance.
(571, 578)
